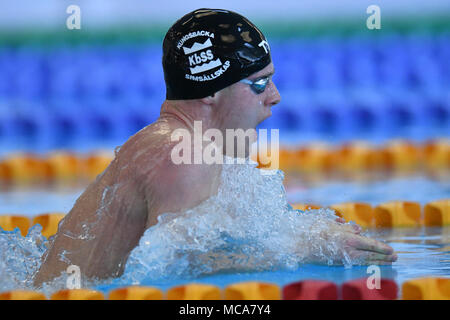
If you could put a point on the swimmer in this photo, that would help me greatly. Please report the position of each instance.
(218, 70)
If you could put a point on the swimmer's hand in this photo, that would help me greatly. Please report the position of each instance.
(357, 228)
(367, 251)
(361, 250)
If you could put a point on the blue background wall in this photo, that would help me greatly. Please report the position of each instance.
(92, 88)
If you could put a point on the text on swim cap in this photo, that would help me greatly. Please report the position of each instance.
(211, 76)
(193, 35)
(202, 57)
(207, 66)
(265, 45)
(197, 47)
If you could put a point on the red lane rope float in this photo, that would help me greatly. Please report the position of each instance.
(429, 288)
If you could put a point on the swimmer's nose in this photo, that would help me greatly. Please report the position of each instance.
(273, 97)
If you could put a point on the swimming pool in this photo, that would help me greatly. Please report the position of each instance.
(422, 251)
(406, 101)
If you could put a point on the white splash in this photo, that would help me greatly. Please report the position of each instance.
(247, 226)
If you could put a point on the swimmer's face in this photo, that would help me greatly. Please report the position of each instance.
(243, 108)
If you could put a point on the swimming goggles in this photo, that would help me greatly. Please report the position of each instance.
(258, 85)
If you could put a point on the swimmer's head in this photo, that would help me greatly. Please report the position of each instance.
(208, 50)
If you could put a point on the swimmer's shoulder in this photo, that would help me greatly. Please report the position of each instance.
(145, 143)
(147, 151)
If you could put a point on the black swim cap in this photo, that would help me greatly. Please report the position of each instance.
(210, 49)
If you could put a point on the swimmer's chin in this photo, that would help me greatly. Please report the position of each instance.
(267, 114)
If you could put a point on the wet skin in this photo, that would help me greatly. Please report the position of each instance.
(109, 218)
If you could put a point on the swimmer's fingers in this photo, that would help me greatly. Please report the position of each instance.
(367, 244)
(357, 229)
(340, 220)
(368, 257)
(353, 228)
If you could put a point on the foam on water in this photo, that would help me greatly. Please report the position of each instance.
(247, 225)
(20, 257)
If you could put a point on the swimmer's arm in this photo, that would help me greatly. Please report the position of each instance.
(100, 252)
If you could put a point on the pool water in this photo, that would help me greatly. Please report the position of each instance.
(402, 92)
(422, 251)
